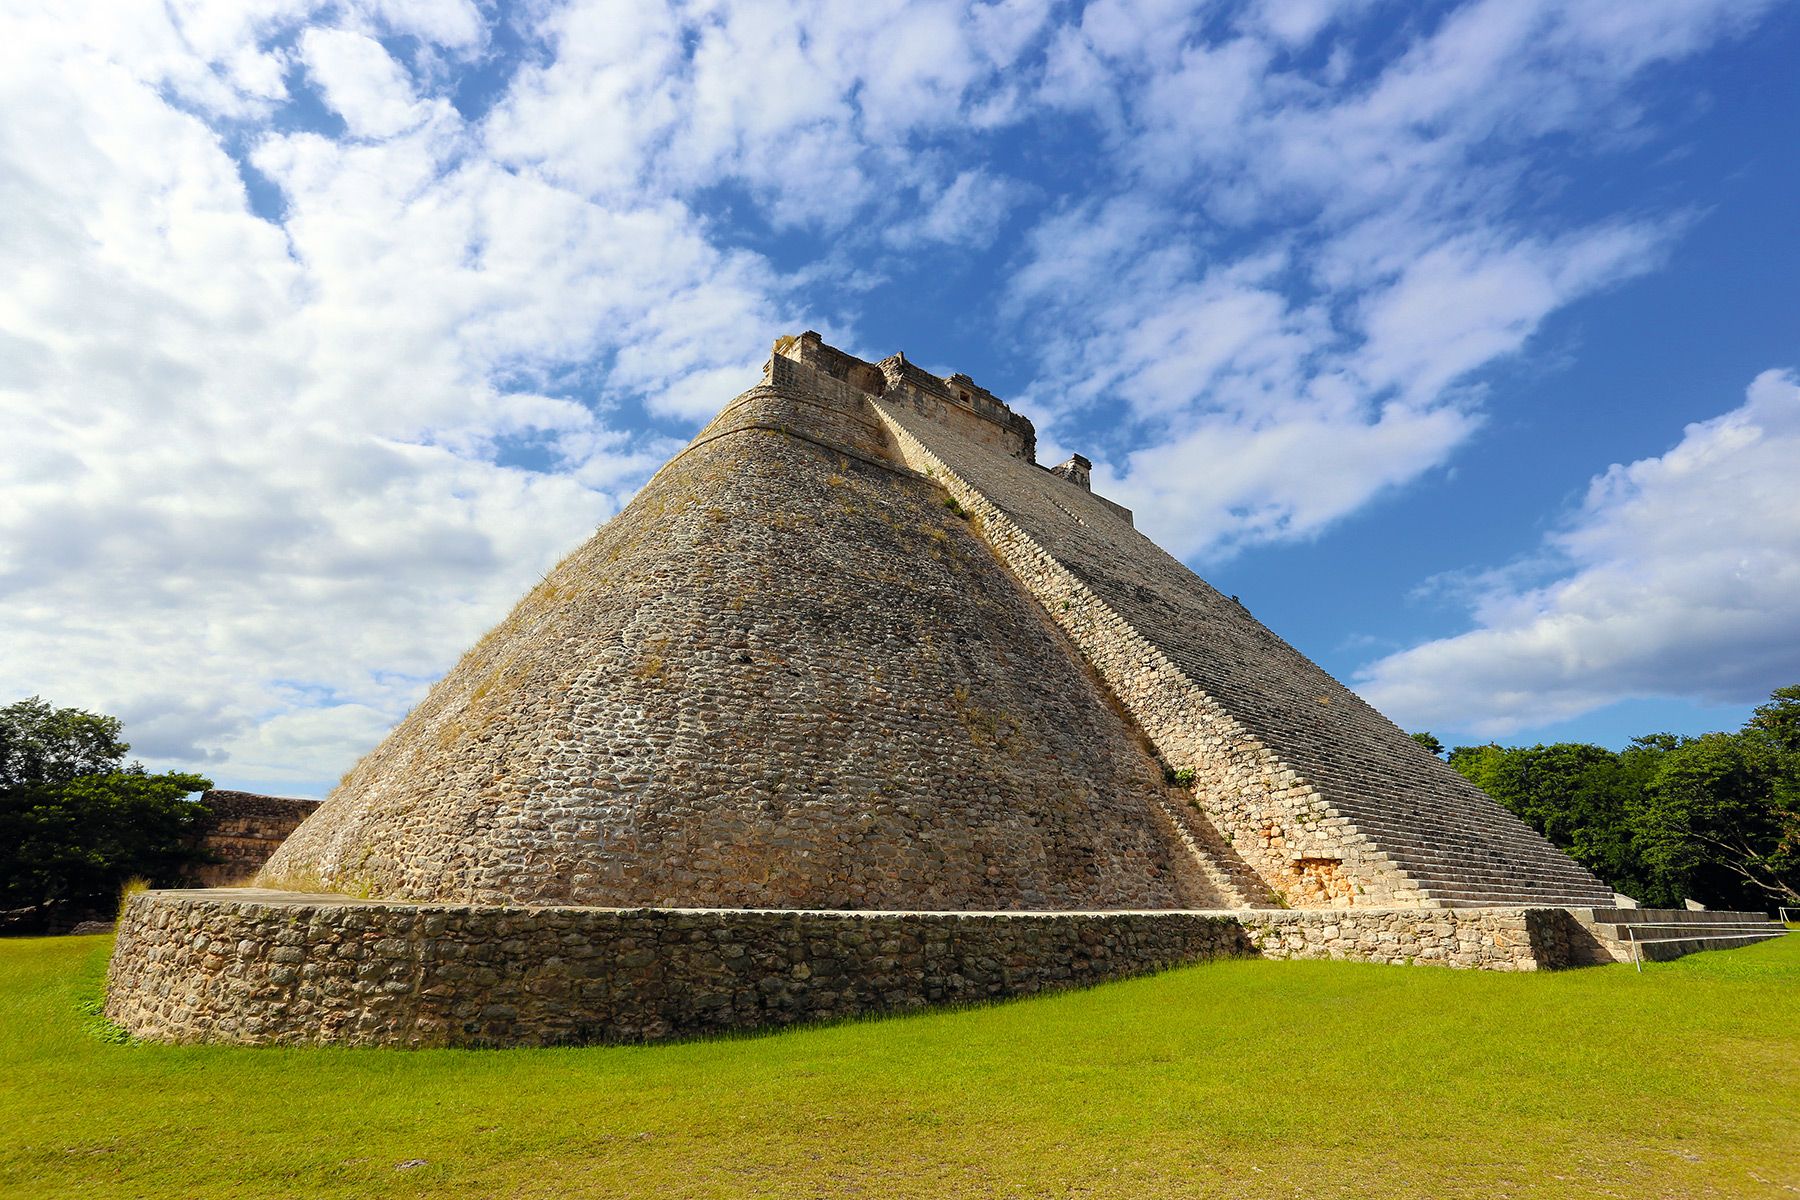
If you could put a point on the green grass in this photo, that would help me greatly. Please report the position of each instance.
(1241, 1079)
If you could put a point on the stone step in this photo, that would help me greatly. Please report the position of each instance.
(1463, 881)
(1543, 897)
(1501, 848)
(1662, 934)
(1510, 902)
(1534, 885)
(1686, 916)
(1535, 854)
(1667, 949)
(1236, 884)
(1643, 934)
(1530, 886)
(1446, 864)
(1519, 880)
(1396, 825)
(1483, 858)
(1495, 866)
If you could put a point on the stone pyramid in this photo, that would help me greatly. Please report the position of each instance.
(854, 648)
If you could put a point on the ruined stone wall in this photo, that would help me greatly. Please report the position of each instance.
(267, 968)
(957, 404)
(1326, 798)
(244, 829)
(787, 674)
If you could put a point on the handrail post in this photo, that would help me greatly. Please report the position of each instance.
(1635, 956)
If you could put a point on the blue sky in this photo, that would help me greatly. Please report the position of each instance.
(1458, 340)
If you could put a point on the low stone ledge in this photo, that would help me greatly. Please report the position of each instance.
(1489, 939)
(259, 967)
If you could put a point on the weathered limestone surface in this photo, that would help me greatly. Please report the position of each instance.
(786, 675)
(852, 649)
(1329, 800)
(244, 830)
(1491, 939)
(271, 968)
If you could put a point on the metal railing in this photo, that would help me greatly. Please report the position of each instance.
(1763, 932)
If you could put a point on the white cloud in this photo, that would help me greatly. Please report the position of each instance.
(251, 499)
(257, 497)
(968, 211)
(1295, 23)
(453, 23)
(361, 82)
(1477, 297)
(812, 108)
(1296, 282)
(1680, 577)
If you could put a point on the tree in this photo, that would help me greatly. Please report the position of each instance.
(1720, 817)
(1578, 796)
(43, 745)
(1425, 739)
(77, 821)
(1714, 818)
(1779, 719)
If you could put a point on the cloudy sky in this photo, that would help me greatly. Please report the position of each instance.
(1460, 340)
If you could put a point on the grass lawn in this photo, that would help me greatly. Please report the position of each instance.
(1241, 1079)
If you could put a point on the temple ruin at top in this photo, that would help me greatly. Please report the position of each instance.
(854, 648)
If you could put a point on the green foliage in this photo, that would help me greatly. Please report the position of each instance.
(1719, 819)
(1714, 819)
(77, 822)
(1432, 745)
(41, 745)
(1779, 719)
(1185, 777)
(955, 506)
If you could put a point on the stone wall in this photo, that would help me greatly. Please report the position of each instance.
(244, 829)
(271, 968)
(1490, 939)
(957, 403)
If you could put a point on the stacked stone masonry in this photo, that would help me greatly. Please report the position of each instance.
(265, 968)
(854, 648)
(786, 675)
(243, 830)
(1332, 802)
(855, 708)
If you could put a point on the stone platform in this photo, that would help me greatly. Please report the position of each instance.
(255, 967)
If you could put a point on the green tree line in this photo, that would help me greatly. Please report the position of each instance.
(1714, 818)
(77, 821)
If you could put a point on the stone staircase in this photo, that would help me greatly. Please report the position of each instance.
(1661, 934)
(1218, 861)
(1505, 866)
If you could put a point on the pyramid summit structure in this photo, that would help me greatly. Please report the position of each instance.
(854, 648)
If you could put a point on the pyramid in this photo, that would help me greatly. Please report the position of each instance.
(854, 648)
